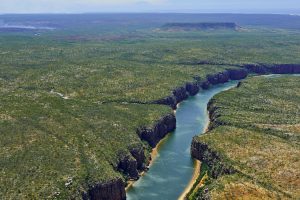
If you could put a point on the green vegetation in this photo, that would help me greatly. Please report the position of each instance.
(48, 140)
(202, 180)
(67, 95)
(259, 136)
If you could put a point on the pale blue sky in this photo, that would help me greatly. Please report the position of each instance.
(82, 6)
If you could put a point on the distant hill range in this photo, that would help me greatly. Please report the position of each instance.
(201, 26)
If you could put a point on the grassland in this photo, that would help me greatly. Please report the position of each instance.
(67, 95)
(255, 129)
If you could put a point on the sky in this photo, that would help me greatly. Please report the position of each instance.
(186, 6)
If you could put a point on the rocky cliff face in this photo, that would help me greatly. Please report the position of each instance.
(274, 69)
(257, 69)
(138, 154)
(286, 69)
(202, 152)
(169, 101)
(128, 166)
(221, 77)
(192, 88)
(180, 94)
(132, 163)
(237, 74)
(213, 116)
(153, 135)
(112, 190)
(205, 85)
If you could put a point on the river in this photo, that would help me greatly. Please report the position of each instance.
(173, 168)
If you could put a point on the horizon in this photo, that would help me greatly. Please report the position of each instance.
(149, 6)
(154, 12)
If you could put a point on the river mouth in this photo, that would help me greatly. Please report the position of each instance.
(173, 168)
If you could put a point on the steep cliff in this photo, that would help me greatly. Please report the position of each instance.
(202, 152)
(180, 94)
(111, 190)
(286, 69)
(273, 68)
(153, 135)
(132, 163)
(237, 74)
(192, 88)
(221, 77)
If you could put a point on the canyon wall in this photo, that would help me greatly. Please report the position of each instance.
(202, 152)
(111, 190)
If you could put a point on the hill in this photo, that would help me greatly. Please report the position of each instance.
(200, 26)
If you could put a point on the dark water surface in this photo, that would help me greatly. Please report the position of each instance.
(173, 168)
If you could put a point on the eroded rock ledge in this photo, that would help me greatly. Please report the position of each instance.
(111, 190)
(201, 151)
(135, 161)
(132, 163)
(192, 88)
(153, 135)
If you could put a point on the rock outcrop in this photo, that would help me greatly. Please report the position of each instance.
(180, 94)
(111, 190)
(257, 69)
(202, 152)
(192, 88)
(169, 101)
(221, 77)
(153, 135)
(132, 163)
(138, 154)
(177, 96)
(237, 74)
(205, 85)
(273, 68)
(286, 69)
(128, 166)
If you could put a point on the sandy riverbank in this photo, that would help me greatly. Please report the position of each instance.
(154, 154)
(196, 173)
(192, 181)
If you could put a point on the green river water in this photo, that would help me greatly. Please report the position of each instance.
(173, 167)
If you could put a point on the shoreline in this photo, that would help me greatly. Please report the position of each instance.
(197, 168)
(154, 153)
